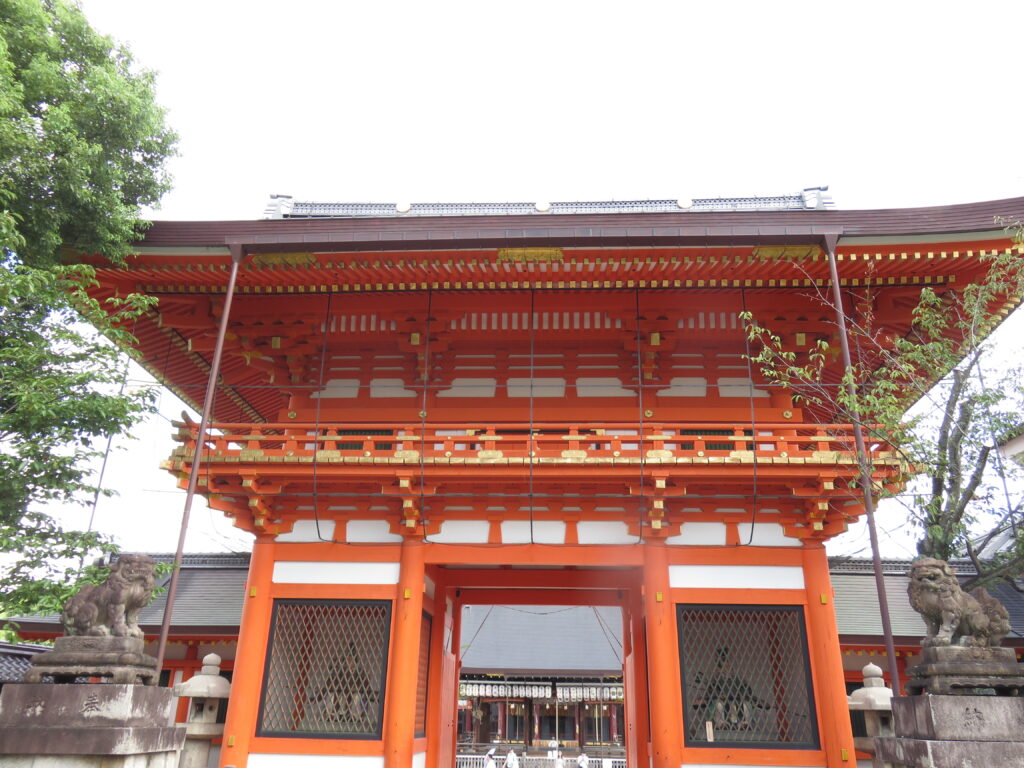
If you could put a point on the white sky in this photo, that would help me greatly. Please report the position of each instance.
(891, 104)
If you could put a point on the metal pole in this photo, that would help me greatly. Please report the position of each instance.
(237, 255)
(865, 475)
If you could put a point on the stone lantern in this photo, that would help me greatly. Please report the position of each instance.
(206, 690)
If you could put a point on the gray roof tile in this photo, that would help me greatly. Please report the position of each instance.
(542, 638)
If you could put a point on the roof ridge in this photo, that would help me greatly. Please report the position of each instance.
(286, 207)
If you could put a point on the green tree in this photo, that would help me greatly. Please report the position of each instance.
(942, 395)
(83, 146)
(82, 142)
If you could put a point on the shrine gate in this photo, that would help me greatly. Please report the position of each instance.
(426, 408)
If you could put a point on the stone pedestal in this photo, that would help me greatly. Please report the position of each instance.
(121, 659)
(956, 670)
(88, 726)
(954, 732)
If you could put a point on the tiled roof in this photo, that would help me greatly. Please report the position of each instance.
(284, 207)
(856, 599)
(212, 586)
(210, 592)
(15, 660)
(542, 638)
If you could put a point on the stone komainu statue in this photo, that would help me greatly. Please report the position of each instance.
(112, 608)
(954, 617)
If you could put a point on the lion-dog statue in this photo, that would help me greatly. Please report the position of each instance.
(112, 608)
(954, 617)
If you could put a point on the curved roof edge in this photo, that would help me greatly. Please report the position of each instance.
(586, 228)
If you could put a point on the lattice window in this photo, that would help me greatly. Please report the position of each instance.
(746, 677)
(326, 666)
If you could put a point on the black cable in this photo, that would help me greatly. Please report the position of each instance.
(753, 416)
(423, 412)
(530, 445)
(316, 424)
(640, 403)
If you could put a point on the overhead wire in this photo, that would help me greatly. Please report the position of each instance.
(642, 506)
(316, 421)
(425, 375)
(531, 448)
(754, 502)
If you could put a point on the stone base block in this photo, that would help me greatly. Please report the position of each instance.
(964, 670)
(959, 718)
(45, 705)
(157, 760)
(75, 725)
(926, 753)
(121, 659)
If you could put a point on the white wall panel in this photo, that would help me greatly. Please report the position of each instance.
(604, 532)
(305, 530)
(544, 531)
(698, 534)
(306, 572)
(736, 576)
(462, 532)
(316, 761)
(767, 535)
(370, 532)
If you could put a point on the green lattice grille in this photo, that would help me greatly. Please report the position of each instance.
(745, 676)
(326, 666)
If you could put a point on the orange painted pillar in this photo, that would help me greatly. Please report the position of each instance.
(400, 715)
(662, 660)
(243, 706)
(827, 661)
(638, 706)
(437, 686)
(191, 654)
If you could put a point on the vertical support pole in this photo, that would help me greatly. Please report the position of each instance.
(662, 660)
(400, 721)
(237, 254)
(243, 706)
(823, 645)
(865, 469)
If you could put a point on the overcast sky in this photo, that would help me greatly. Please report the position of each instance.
(891, 104)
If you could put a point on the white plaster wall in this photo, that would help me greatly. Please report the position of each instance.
(462, 532)
(767, 535)
(303, 572)
(315, 761)
(604, 532)
(544, 531)
(736, 576)
(370, 532)
(419, 760)
(697, 534)
(305, 530)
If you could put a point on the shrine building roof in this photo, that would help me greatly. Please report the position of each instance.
(212, 586)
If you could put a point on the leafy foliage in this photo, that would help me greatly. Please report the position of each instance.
(83, 146)
(82, 143)
(59, 400)
(942, 395)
